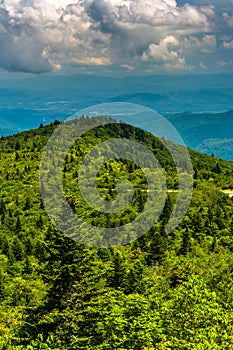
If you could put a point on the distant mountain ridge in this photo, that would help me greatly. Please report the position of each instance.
(206, 132)
(177, 101)
(223, 147)
(199, 106)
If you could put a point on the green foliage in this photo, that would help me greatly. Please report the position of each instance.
(164, 291)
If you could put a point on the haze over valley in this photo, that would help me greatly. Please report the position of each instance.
(199, 106)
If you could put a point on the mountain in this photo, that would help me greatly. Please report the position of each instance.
(28, 102)
(222, 148)
(163, 290)
(206, 132)
(199, 100)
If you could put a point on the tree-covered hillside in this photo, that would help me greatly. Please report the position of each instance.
(161, 291)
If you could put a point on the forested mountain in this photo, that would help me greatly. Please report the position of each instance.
(161, 291)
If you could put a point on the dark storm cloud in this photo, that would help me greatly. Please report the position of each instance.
(19, 49)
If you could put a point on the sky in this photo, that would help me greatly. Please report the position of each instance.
(115, 36)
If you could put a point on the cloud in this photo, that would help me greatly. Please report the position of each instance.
(165, 53)
(208, 10)
(208, 43)
(19, 51)
(228, 19)
(48, 35)
(127, 66)
(95, 61)
(228, 44)
(203, 66)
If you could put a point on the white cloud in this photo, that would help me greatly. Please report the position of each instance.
(228, 19)
(95, 61)
(166, 50)
(42, 35)
(166, 54)
(208, 43)
(208, 10)
(205, 44)
(127, 66)
(228, 44)
(221, 63)
(203, 66)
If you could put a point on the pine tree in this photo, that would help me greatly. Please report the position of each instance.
(18, 225)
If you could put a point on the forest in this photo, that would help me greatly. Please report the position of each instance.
(163, 291)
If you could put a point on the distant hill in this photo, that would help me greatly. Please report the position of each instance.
(206, 132)
(218, 147)
(196, 100)
(184, 100)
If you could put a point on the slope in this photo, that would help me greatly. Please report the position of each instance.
(57, 294)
